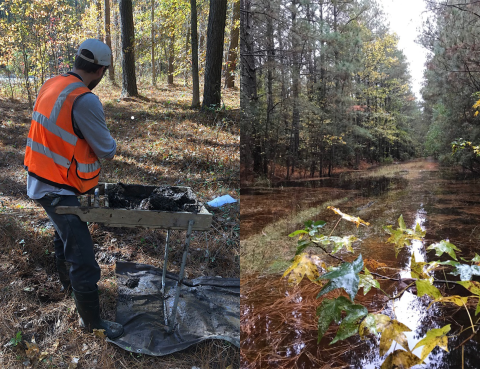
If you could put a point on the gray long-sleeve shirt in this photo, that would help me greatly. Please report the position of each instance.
(90, 119)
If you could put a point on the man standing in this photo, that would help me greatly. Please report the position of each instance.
(68, 135)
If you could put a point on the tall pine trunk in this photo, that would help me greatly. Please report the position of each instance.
(232, 50)
(129, 80)
(213, 67)
(108, 39)
(195, 78)
(154, 74)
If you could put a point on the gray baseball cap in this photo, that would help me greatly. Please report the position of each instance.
(101, 52)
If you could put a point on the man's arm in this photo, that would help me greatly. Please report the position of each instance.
(90, 120)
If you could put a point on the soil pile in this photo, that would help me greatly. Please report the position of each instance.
(165, 198)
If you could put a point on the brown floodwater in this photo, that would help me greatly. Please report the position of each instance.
(279, 326)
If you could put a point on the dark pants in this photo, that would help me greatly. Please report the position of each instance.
(72, 242)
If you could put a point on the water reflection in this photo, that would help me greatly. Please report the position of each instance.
(279, 323)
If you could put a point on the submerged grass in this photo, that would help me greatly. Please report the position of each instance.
(160, 140)
(272, 250)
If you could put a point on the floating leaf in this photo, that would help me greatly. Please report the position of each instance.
(367, 281)
(401, 359)
(304, 265)
(373, 323)
(346, 277)
(466, 271)
(457, 300)
(473, 287)
(424, 287)
(416, 268)
(393, 331)
(444, 246)
(434, 338)
(349, 218)
(331, 311)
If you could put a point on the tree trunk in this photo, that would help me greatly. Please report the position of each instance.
(99, 19)
(195, 78)
(129, 80)
(108, 39)
(248, 87)
(154, 75)
(213, 67)
(232, 50)
(270, 64)
(171, 57)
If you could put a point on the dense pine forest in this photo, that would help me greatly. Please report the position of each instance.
(325, 85)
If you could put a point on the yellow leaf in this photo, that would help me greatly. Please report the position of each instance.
(457, 300)
(434, 338)
(349, 218)
(393, 332)
(401, 359)
(304, 265)
(99, 333)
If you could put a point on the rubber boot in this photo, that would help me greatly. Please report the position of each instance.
(63, 268)
(88, 306)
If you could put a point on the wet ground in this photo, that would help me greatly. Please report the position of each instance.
(278, 321)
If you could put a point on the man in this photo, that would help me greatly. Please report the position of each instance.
(67, 137)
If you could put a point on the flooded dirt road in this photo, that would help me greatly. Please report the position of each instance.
(279, 326)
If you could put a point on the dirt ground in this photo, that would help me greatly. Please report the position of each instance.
(160, 140)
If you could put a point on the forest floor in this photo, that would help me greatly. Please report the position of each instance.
(160, 140)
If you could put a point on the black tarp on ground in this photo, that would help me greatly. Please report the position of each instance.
(208, 308)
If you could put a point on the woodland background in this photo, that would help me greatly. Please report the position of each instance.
(173, 125)
(326, 86)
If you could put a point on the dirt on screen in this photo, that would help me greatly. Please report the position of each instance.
(166, 198)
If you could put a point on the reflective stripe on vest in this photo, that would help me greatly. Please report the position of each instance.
(54, 152)
(57, 159)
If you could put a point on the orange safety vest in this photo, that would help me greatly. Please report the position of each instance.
(55, 154)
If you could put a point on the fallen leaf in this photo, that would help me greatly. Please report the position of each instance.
(32, 350)
(99, 333)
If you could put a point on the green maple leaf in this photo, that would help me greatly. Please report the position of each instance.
(466, 271)
(401, 359)
(425, 287)
(345, 276)
(416, 269)
(331, 311)
(444, 246)
(393, 331)
(367, 281)
(473, 287)
(403, 236)
(373, 323)
(434, 338)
